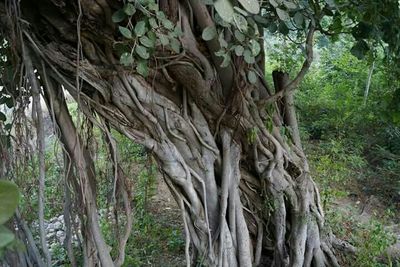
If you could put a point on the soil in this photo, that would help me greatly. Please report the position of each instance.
(167, 213)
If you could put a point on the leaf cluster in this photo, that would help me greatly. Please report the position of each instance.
(144, 28)
(9, 197)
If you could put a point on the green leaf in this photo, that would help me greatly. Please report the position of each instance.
(8, 126)
(2, 117)
(283, 28)
(248, 57)
(282, 14)
(289, 4)
(140, 28)
(255, 47)
(125, 32)
(241, 11)
(239, 36)
(252, 6)
(9, 197)
(240, 22)
(252, 77)
(153, 23)
(167, 24)
(239, 50)
(6, 236)
(118, 16)
(175, 45)
(274, 3)
(178, 31)
(163, 39)
(224, 9)
(331, 3)
(226, 61)
(153, 6)
(160, 15)
(218, 20)
(262, 20)
(252, 23)
(129, 9)
(222, 41)
(272, 27)
(209, 33)
(152, 36)
(299, 20)
(142, 68)
(9, 102)
(144, 40)
(220, 53)
(126, 59)
(142, 52)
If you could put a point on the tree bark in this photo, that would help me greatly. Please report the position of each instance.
(368, 84)
(37, 114)
(95, 248)
(244, 187)
(287, 108)
(68, 208)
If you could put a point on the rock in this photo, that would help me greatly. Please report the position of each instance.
(371, 207)
(61, 218)
(393, 252)
(58, 225)
(50, 228)
(50, 235)
(59, 234)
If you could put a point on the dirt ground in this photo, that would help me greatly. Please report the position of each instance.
(166, 211)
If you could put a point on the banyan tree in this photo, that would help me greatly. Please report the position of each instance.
(186, 80)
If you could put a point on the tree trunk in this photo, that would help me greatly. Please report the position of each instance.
(37, 116)
(243, 184)
(68, 208)
(368, 84)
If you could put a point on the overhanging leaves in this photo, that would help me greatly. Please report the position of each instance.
(9, 197)
(224, 9)
(6, 236)
(118, 16)
(209, 33)
(252, 6)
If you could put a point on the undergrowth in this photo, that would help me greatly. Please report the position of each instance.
(336, 171)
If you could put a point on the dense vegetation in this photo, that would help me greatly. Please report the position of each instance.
(210, 99)
(353, 146)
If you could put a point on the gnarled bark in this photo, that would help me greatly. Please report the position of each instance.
(244, 187)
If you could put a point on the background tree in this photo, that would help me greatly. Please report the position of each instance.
(186, 80)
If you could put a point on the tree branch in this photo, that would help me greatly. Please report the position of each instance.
(205, 20)
(304, 69)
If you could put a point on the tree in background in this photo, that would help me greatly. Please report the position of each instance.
(186, 80)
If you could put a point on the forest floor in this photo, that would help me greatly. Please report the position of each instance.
(363, 211)
(163, 207)
(365, 205)
(355, 210)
